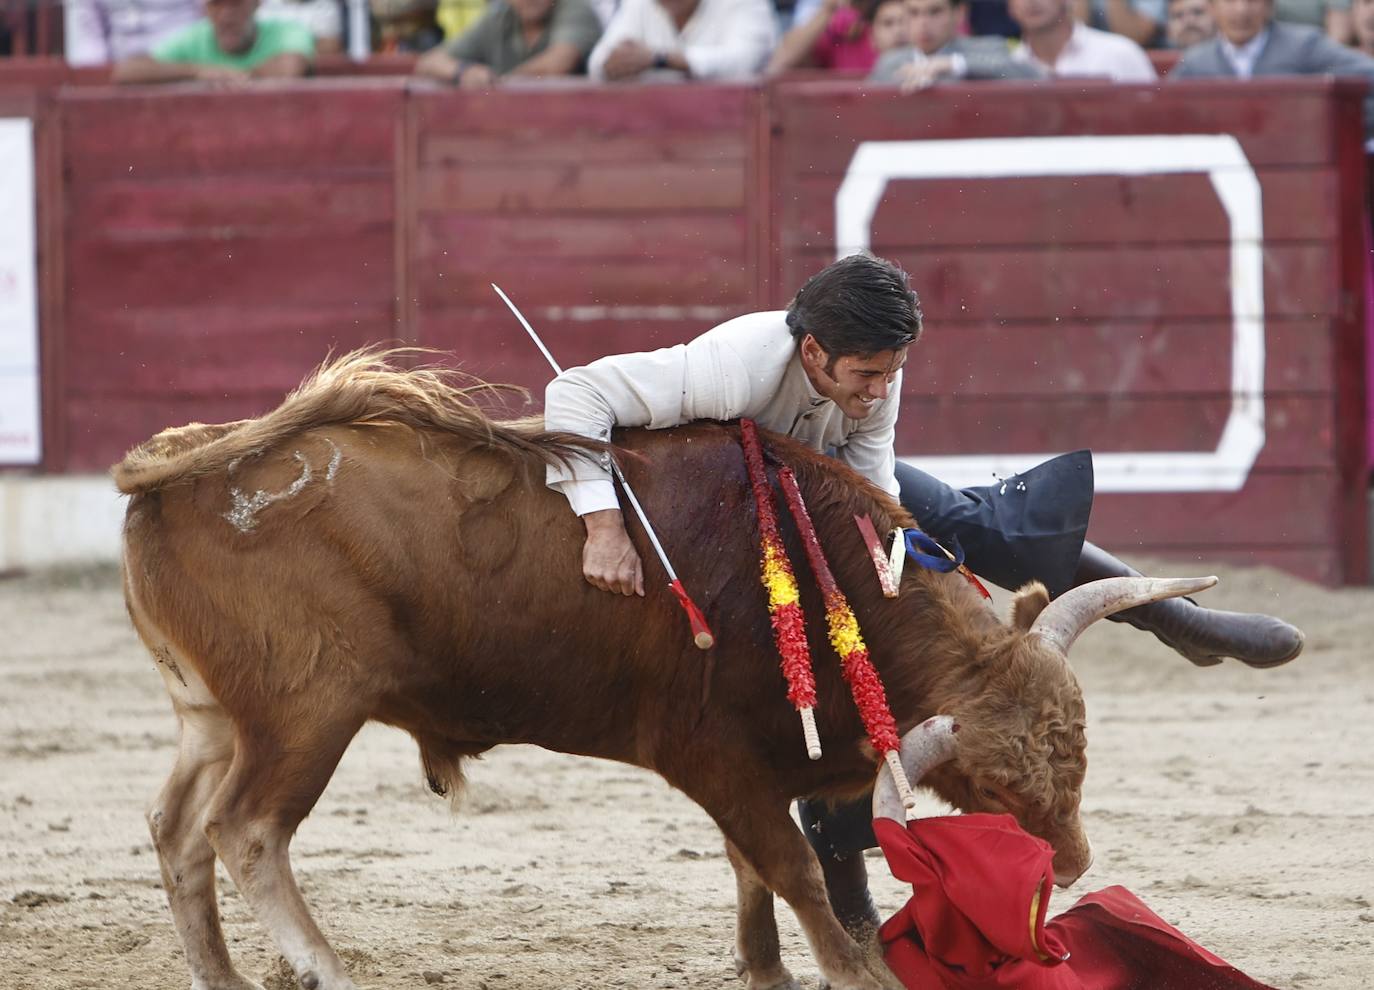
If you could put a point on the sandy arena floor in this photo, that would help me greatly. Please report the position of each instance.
(1239, 804)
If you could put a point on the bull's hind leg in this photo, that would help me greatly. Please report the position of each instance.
(273, 782)
(758, 956)
(176, 819)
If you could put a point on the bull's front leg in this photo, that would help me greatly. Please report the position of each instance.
(758, 956)
(763, 836)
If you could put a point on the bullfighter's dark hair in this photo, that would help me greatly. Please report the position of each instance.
(857, 306)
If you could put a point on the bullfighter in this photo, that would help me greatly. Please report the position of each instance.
(828, 372)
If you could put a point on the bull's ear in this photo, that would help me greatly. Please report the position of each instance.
(1027, 605)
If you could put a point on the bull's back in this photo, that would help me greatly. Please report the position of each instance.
(438, 586)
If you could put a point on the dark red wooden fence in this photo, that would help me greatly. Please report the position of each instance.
(203, 249)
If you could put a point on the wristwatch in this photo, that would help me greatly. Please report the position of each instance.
(660, 60)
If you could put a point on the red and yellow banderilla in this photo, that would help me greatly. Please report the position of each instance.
(784, 600)
(788, 622)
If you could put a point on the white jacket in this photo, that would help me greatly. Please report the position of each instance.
(748, 367)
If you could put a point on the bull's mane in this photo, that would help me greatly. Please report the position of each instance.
(831, 484)
(364, 386)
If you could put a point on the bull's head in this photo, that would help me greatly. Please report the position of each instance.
(1021, 747)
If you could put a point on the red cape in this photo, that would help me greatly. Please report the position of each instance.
(976, 919)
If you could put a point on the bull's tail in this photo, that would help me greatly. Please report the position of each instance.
(360, 387)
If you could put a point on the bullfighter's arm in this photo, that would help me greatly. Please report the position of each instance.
(705, 379)
(869, 449)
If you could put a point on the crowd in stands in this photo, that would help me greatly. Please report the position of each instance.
(911, 43)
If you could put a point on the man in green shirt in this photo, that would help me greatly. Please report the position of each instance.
(517, 38)
(229, 46)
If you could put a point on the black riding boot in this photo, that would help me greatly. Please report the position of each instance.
(839, 835)
(1205, 636)
(846, 883)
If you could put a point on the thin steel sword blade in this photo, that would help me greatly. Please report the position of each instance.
(702, 634)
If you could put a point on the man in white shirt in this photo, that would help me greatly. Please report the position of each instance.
(828, 371)
(697, 39)
(1053, 40)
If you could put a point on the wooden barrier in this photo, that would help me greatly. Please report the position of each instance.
(215, 249)
(614, 223)
(204, 249)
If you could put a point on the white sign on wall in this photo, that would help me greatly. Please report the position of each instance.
(20, 441)
(1221, 159)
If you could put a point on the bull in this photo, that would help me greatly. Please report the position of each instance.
(377, 548)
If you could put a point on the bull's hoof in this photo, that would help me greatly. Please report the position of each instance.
(773, 978)
(237, 983)
(862, 983)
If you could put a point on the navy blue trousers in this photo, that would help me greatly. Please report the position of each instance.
(1029, 527)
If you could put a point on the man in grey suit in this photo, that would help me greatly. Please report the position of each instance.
(937, 51)
(1249, 42)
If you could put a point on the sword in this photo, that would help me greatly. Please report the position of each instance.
(701, 632)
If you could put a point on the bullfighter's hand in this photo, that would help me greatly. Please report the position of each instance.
(609, 560)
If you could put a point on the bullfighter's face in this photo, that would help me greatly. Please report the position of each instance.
(855, 383)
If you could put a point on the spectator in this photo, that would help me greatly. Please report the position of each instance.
(987, 18)
(938, 51)
(1052, 40)
(697, 39)
(230, 46)
(456, 16)
(322, 18)
(98, 32)
(1329, 15)
(784, 11)
(517, 38)
(1250, 42)
(1140, 20)
(605, 9)
(406, 25)
(1190, 22)
(1362, 20)
(843, 35)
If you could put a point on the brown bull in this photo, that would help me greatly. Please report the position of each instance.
(378, 549)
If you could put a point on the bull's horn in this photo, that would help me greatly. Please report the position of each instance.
(923, 749)
(1068, 615)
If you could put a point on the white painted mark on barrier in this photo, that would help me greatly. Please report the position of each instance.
(1221, 158)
